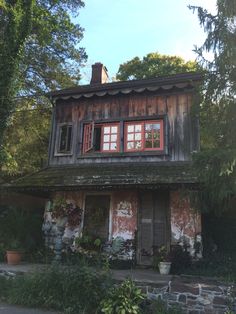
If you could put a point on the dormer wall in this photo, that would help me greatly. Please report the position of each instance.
(172, 110)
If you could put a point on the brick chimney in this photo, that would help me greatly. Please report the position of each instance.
(99, 74)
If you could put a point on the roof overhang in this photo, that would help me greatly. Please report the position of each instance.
(163, 83)
(107, 177)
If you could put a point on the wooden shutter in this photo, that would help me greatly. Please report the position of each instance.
(153, 224)
(160, 220)
(88, 137)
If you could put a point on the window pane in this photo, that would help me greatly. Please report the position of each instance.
(69, 131)
(106, 138)
(113, 138)
(106, 146)
(156, 144)
(130, 137)
(138, 136)
(148, 144)
(130, 128)
(63, 135)
(138, 128)
(113, 146)
(107, 130)
(156, 135)
(130, 145)
(137, 145)
(148, 127)
(148, 136)
(156, 126)
(114, 129)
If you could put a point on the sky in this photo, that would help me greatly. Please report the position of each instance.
(116, 31)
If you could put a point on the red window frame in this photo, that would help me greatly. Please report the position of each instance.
(110, 141)
(88, 137)
(143, 138)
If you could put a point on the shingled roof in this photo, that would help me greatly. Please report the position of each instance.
(106, 176)
(178, 81)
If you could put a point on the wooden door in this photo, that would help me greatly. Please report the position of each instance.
(96, 216)
(154, 224)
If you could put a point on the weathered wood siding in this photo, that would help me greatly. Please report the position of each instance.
(181, 127)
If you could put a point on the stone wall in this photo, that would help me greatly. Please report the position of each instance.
(193, 296)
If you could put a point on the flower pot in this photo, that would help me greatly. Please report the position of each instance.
(14, 257)
(164, 268)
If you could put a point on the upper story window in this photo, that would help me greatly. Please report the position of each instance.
(101, 137)
(138, 136)
(64, 139)
(143, 135)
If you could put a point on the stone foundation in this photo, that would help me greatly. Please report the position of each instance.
(192, 296)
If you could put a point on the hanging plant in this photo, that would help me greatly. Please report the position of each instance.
(62, 208)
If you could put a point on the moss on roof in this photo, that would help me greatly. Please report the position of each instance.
(100, 176)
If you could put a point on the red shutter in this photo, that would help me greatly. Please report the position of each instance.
(88, 137)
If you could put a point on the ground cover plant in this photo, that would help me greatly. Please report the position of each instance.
(219, 264)
(70, 290)
(75, 290)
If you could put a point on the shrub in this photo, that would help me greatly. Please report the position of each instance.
(180, 258)
(123, 299)
(71, 290)
(159, 307)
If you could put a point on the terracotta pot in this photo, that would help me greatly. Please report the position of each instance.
(164, 268)
(14, 257)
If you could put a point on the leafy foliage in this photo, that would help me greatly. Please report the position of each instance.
(71, 290)
(49, 58)
(125, 298)
(15, 27)
(52, 57)
(20, 227)
(26, 140)
(153, 65)
(38, 52)
(216, 163)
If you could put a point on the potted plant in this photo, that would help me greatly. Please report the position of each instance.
(14, 252)
(162, 260)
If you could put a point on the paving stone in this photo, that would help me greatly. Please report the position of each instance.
(220, 301)
(185, 288)
(182, 298)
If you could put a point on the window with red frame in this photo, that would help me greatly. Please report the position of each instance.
(110, 138)
(101, 137)
(144, 135)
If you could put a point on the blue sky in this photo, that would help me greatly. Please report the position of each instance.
(118, 30)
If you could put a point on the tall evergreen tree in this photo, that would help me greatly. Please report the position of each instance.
(217, 161)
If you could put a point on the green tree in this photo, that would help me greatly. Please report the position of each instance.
(153, 65)
(26, 140)
(15, 27)
(216, 163)
(50, 59)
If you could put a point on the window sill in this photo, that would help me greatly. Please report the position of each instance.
(122, 154)
(62, 154)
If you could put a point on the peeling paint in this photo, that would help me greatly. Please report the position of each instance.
(185, 223)
(124, 213)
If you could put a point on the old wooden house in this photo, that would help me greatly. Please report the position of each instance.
(123, 150)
